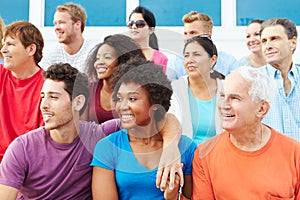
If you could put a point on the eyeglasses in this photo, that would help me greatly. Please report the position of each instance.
(138, 24)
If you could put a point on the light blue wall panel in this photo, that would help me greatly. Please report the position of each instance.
(14, 10)
(170, 12)
(99, 12)
(248, 10)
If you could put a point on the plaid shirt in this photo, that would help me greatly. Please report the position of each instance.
(284, 114)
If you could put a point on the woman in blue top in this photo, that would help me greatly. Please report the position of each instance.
(125, 163)
(195, 95)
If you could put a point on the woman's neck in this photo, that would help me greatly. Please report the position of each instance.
(203, 89)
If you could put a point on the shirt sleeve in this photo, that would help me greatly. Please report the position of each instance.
(202, 188)
(187, 156)
(104, 154)
(13, 166)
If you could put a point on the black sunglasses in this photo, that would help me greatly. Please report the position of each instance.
(138, 24)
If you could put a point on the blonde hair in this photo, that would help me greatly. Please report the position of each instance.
(194, 16)
(76, 11)
(2, 26)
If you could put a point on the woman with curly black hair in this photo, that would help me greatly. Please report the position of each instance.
(126, 162)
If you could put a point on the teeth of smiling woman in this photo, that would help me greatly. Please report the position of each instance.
(127, 117)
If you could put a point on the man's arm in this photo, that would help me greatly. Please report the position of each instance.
(170, 162)
(8, 193)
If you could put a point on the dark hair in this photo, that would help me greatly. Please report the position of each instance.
(28, 34)
(151, 77)
(124, 47)
(147, 15)
(153, 43)
(210, 48)
(76, 83)
(205, 42)
(288, 25)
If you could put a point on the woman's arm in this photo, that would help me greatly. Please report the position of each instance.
(104, 184)
(170, 162)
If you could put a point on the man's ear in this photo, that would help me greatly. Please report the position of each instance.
(264, 108)
(78, 102)
(31, 49)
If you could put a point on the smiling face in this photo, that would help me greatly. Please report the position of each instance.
(65, 28)
(15, 54)
(276, 46)
(253, 37)
(106, 61)
(56, 105)
(139, 34)
(197, 60)
(236, 108)
(133, 105)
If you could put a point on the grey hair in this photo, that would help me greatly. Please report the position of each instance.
(262, 87)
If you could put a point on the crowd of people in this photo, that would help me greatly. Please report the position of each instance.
(120, 120)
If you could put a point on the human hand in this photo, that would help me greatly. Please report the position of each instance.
(170, 165)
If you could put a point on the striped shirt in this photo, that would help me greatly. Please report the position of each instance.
(58, 54)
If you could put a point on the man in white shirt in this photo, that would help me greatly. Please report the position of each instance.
(69, 23)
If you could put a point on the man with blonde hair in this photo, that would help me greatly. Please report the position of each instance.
(69, 23)
(195, 24)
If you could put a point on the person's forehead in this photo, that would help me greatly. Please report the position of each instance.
(271, 31)
(53, 86)
(234, 82)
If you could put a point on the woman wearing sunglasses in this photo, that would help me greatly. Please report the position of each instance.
(195, 95)
(141, 26)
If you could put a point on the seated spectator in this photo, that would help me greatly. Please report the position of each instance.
(249, 160)
(52, 162)
(21, 81)
(141, 26)
(256, 58)
(125, 163)
(101, 63)
(196, 23)
(69, 23)
(194, 100)
(279, 41)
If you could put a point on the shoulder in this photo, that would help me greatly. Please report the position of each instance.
(211, 145)
(181, 82)
(225, 55)
(284, 139)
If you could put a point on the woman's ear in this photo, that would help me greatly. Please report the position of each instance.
(78, 102)
(151, 30)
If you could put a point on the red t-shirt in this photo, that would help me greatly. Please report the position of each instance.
(19, 106)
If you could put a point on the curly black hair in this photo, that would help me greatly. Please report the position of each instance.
(76, 83)
(151, 77)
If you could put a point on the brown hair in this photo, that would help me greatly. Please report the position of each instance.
(28, 34)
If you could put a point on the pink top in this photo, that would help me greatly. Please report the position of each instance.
(159, 58)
